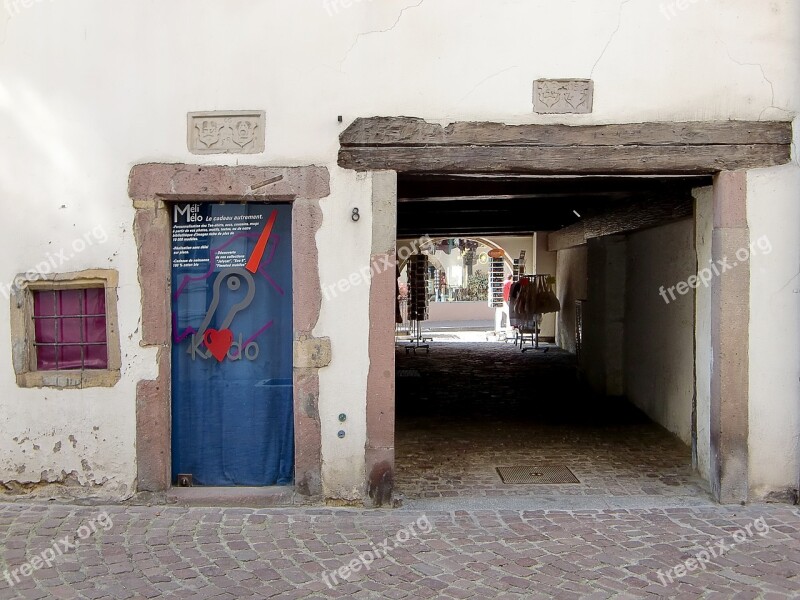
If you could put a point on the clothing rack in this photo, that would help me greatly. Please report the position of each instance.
(418, 301)
(529, 324)
(417, 339)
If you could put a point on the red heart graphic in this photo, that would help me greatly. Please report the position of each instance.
(218, 342)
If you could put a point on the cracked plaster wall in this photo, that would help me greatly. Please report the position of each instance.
(87, 89)
(774, 420)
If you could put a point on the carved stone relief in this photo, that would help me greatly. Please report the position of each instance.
(561, 96)
(226, 132)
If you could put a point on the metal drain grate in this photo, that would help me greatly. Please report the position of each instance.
(557, 474)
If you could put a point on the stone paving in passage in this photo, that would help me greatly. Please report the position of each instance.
(465, 409)
(171, 552)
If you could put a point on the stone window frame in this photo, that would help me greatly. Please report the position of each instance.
(23, 331)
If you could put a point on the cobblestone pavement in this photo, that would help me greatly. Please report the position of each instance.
(638, 525)
(171, 552)
(466, 408)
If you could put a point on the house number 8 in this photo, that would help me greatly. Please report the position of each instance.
(355, 216)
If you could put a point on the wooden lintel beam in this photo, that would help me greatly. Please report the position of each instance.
(572, 160)
(693, 148)
(409, 131)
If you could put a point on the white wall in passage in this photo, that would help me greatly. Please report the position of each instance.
(659, 334)
(704, 222)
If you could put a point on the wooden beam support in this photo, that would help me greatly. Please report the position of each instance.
(632, 217)
(413, 145)
(410, 131)
(565, 160)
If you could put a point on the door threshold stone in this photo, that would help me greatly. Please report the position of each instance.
(250, 497)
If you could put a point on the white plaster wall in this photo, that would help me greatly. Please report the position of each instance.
(659, 337)
(603, 358)
(545, 262)
(571, 284)
(459, 311)
(704, 224)
(514, 244)
(345, 319)
(774, 219)
(90, 88)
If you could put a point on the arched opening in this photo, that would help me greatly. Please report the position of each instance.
(464, 274)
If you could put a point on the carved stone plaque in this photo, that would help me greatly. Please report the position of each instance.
(226, 132)
(561, 96)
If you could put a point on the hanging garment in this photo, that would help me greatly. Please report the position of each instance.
(398, 316)
(533, 298)
(546, 300)
(525, 306)
(513, 295)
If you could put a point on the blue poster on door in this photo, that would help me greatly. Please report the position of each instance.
(232, 417)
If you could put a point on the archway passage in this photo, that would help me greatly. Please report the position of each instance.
(724, 150)
(460, 272)
(475, 405)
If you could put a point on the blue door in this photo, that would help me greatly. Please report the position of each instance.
(232, 417)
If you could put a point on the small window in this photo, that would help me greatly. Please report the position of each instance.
(70, 328)
(64, 330)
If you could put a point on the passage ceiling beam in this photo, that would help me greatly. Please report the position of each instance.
(413, 145)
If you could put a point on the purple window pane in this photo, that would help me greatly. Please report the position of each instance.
(46, 358)
(71, 302)
(95, 329)
(70, 357)
(96, 357)
(45, 330)
(44, 303)
(72, 328)
(95, 301)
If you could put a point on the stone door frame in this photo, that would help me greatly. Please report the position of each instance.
(152, 187)
(725, 150)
